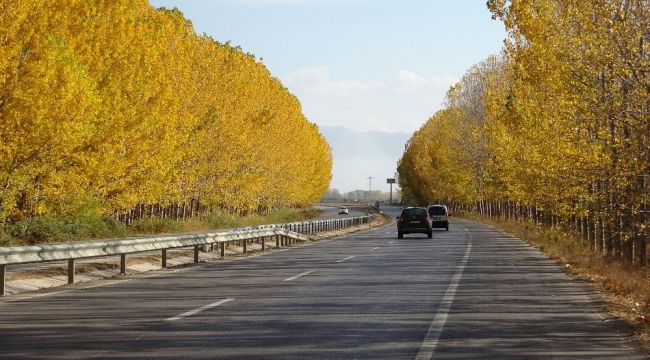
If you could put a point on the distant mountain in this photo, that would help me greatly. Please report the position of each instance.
(359, 155)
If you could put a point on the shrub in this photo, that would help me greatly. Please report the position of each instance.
(155, 226)
(5, 239)
(48, 229)
(221, 220)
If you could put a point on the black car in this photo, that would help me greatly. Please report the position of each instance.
(414, 220)
(439, 215)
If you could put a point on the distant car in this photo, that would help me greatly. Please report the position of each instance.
(344, 211)
(414, 220)
(439, 216)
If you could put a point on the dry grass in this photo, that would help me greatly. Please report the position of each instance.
(625, 288)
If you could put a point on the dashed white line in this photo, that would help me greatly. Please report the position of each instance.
(375, 248)
(198, 310)
(297, 276)
(346, 259)
(435, 329)
(391, 242)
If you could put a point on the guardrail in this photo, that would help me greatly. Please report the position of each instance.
(283, 234)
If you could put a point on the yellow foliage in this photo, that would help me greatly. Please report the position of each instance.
(116, 101)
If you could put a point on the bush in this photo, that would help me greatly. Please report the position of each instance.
(221, 220)
(40, 229)
(5, 239)
(155, 226)
(47, 229)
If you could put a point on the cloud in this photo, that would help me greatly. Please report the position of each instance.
(317, 80)
(412, 82)
(398, 104)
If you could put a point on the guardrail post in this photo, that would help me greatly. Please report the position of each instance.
(263, 243)
(123, 264)
(222, 248)
(163, 259)
(71, 271)
(244, 246)
(277, 241)
(196, 254)
(3, 276)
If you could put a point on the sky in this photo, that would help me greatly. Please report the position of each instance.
(380, 65)
(367, 65)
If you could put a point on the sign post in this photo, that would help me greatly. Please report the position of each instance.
(391, 182)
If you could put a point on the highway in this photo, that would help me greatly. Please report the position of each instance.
(469, 293)
(332, 212)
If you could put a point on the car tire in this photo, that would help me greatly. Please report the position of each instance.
(430, 234)
(447, 228)
(400, 235)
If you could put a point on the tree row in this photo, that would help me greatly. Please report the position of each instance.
(107, 106)
(555, 130)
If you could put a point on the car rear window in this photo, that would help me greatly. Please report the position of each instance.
(436, 210)
(414, 213)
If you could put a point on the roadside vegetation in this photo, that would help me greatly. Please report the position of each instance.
(555, 130)
(57, 230)
(113, 113)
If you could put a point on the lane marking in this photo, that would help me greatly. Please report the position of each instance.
(299, 275)
(198, 310)
(391, 242)
(346, 259)
(435, 329)
(375, 248)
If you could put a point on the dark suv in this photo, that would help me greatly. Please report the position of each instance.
(439, 216)
(414, 220)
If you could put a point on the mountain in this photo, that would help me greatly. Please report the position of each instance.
(358, 155)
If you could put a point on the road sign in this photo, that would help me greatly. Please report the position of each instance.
(390, 181)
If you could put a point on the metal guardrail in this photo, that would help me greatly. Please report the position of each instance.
(283, 234)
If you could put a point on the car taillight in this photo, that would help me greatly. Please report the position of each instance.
(428, 218)
(401, 219)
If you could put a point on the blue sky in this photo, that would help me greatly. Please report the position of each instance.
(381, 65)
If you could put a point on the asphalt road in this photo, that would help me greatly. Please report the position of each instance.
(332, 212)
(470, 293)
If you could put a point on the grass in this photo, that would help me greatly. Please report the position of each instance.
(625, 287)
(59, 230)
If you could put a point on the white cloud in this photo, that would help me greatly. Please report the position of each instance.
(412, 82)
(316, 80)
(399, 104)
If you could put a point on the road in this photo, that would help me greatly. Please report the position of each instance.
(472, 292)
(332, 212)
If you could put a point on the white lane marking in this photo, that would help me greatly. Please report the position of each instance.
(299, 275)
(198, 310)
(435, 329)
(346, 259)
(391, 242)
(375, 248)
